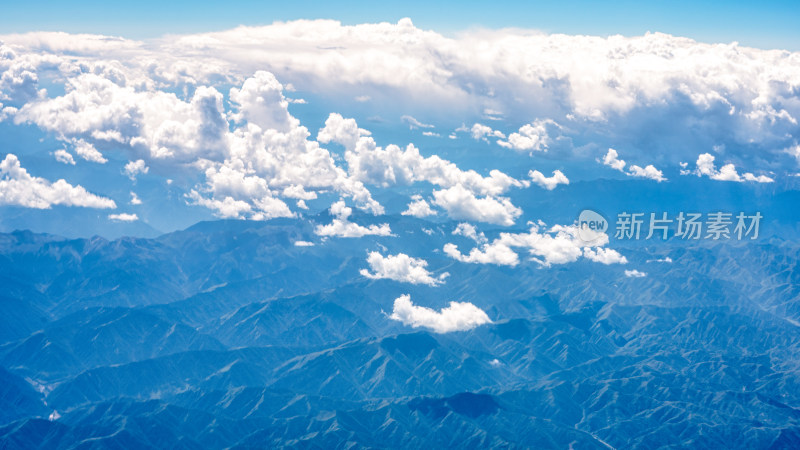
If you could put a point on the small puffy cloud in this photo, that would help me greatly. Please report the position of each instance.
(635, 274)
(123, 217)
(135, 200)
(611, 159)
(462, 204)
(705, 167)
(414, 123)
(225, 208)
(481, 132)
(303, 244)
(418, 208)
(665, 259)
(459, 316)
(18, 187)
(530, 137)
(401, 267)
(470, 232)
(134, 168)
(497, 253)
(548, 183)
(64, 157)
(87, 151)
(604, 255)
(341, 227)
(648, 171)
(430, 134)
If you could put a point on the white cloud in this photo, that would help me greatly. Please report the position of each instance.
(634, 274)
(369, 163)
(87, 151)
(303, 244)
(548, 183)
(706, 167)
(401, 267)
(558, 245)
(341, 227)
(414, 123)
(135, 168)
(135, 200)
(64, 157)
(649, 172)
(531, 137)
(461, 204)
(459, 316)
(604, 255)
(418, 208)
(481, 132)
(665, 259)
(611, 159)
(123, 217)
(18, 187)
(341, 131)
(261, 102)
(155, 100)
(470, 232)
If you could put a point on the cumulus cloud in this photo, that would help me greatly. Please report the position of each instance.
(611, 159)
(369, 163)
(648, 172)
(401, 267)
(634, 274)
(135, 168)
(64, 157)
(418, 208)
(303, 244)
(123, 217)
(530, 137)
(459, 316)
(558, 245)
(135, 200)
(470, 232)
(462, 204)
(156, 101)
(706, 167)
(18, 187)
(481, 132)
(87, 151)
(341, 131)
(341, 227)
(604, 255)
(548, 183)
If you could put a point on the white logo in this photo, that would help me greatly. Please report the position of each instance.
(591, 225)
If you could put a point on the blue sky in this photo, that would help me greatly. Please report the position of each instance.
(771, 24)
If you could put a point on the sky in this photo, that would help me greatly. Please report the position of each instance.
(420, 110)
(768, 24)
